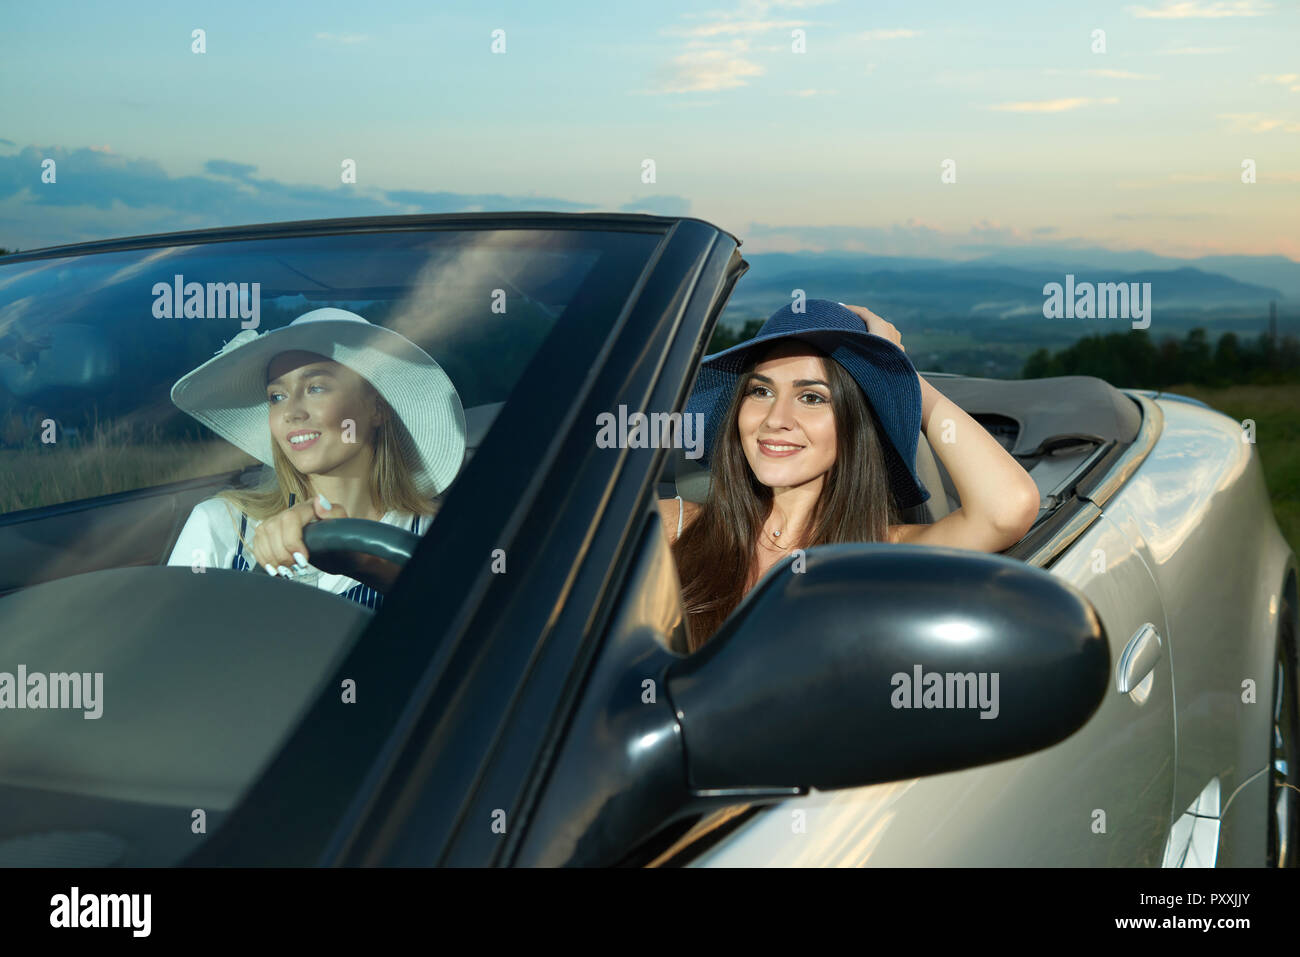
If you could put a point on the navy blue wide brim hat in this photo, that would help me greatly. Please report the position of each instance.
(881, 369)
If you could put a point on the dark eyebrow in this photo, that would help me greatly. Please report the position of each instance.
(798, 382)
(309, 374)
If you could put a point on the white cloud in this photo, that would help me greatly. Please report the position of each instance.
(899, 34)
(708, 70)
(1192, 9)
(1051, 106)
(718, 52)
(1121, 75)
(1258, 123)
(722, 27)
(1290, 80)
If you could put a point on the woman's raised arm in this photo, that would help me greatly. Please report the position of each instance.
(999, 500)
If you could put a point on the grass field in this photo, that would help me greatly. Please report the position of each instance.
(65, 472)
(1276, 411)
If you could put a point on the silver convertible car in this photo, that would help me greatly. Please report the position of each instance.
(1116, 689)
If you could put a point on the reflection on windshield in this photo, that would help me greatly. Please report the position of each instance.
(86, 364)
(152, 450)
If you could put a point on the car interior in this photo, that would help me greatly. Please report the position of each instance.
(1057, 428)
(133, 528)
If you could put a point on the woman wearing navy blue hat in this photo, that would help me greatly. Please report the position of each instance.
(815, 452)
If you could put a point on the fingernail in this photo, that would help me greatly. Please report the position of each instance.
(324, 502)
(285, 572)
(270, 569)
(298, 557)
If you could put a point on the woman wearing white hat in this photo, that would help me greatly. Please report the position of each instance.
(354, 419)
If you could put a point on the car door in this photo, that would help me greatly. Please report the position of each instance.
(1199, 513)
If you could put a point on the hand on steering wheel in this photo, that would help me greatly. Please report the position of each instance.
(279, 540)
(371, 552)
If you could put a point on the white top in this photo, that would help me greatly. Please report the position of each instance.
(211, 535)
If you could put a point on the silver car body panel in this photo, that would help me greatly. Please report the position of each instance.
(1185, 546)
(1199, 513)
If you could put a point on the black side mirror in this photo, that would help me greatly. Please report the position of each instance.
(880, 662)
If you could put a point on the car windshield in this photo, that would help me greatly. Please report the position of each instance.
(134, 681)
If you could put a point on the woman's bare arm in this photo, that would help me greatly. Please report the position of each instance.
(999, 499)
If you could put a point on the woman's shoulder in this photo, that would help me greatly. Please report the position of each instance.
(208, 535)
(219, 518)
(216, 507)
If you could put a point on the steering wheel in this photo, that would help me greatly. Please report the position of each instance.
(373, 553)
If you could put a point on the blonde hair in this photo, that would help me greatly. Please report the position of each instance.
(390, 479)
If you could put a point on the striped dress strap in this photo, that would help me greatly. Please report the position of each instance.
(364, 595)
(239, 559)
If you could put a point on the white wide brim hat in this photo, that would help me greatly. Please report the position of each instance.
(228, 392)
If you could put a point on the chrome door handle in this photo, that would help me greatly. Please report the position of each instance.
(1139, 658)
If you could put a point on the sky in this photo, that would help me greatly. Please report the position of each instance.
(840, 145)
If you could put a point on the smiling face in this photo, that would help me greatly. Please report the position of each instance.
(786, 425)
(309, 399)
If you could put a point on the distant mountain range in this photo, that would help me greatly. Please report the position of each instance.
(1009, 283)
(1271, 272)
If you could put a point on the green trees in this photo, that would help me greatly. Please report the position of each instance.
(1132, 359)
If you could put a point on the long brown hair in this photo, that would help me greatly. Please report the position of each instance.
(716, 553)
(390, 479)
